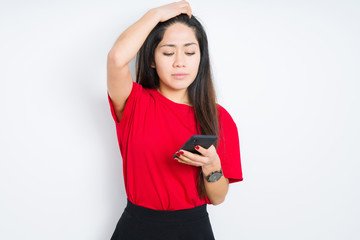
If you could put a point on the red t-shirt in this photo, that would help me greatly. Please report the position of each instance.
(150, 131)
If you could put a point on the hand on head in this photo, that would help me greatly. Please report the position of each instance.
(171, 10)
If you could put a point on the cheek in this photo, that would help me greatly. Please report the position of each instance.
(195, 62)
(161, 63)
(161, 67)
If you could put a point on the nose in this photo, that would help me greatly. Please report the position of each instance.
(179, 60)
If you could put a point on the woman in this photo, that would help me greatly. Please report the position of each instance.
(172, 99)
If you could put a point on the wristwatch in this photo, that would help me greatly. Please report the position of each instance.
(214, 176)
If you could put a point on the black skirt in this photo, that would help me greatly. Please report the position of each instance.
(139, 223)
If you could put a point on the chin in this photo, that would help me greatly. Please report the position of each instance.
(179, 86)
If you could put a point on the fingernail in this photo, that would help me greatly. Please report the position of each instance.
(197, 147)
(178, 154)
(181, 152)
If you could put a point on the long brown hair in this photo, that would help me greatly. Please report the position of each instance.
(201, 92)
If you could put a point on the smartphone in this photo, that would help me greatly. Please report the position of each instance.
(204, 141)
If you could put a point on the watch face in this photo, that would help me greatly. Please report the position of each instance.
(215, 176)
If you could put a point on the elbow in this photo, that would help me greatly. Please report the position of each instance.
(114, 58)
(217, 201)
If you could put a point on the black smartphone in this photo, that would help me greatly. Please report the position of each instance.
(204, 141)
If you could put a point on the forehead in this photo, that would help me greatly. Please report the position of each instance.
(179, 34)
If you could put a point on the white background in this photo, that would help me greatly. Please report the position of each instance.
(287, 71)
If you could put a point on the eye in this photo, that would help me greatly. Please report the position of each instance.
(190, 53)
(168, 54)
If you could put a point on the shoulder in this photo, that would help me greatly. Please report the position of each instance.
(139, 89)
(223, 114)
(226, 122)
(221, 110)
(139, 97)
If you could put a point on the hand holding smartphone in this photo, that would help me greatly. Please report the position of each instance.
(204, 141)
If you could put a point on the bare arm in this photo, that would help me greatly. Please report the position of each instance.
(209, 162)
(119, 79)
(215, 191)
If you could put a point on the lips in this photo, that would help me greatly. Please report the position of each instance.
(179, 75)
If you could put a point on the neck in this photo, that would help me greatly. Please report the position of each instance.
(178, 96)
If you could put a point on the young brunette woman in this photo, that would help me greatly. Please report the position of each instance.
(172, 99)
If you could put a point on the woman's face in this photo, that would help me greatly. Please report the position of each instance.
(177, 57)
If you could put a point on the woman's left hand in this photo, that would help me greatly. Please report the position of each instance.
(209, 159)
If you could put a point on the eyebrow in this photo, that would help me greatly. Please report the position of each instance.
(173, 45)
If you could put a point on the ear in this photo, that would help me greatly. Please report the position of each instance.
(153, 65)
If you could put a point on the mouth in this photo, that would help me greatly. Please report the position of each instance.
(179, 75)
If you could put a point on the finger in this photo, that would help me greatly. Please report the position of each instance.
(196, 158)
(183, 4)
(190, 11)
(185, 160)
(201, 150)
(190, 155)
(185, 8)
(186, 11)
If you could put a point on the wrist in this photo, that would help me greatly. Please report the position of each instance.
(213, 176)
(154, 13)
(208, 169)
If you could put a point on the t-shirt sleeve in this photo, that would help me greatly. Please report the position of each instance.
(130, 102)
(229, 147)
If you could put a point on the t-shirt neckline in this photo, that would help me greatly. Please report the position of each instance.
(165, 99)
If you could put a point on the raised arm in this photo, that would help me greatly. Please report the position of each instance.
(119, 79)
